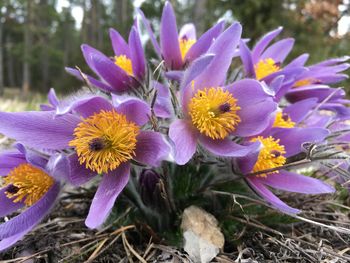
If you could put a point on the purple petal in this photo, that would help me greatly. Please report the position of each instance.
(31, 216)
(175, 75)
(263, 43)
(300, 109)
(266, 194)
(247, 60)
(110, 187)
(78, 174)
(223, 48)
(7, 206)
(39, 129)
(257, 107)
(151, 148)
(58, 167)
(184, 137)
(10, 160)
(111, 73)
(150, 31)
(134, 109)
(98, 84)
(196, 68)
(120, 47)
(293, 138)
(85, 107)
(31, 156)
(169, 39)
(88, 53)
(188, 31)
(315, 91)
(298, 62)
(247, 163)
(226, 147)
(332, 61)
(10, 241)
(293, 182)
(137, 55)
(204, 42)
(277, 83)
(279, 51)
(52, 97)
(163, 107)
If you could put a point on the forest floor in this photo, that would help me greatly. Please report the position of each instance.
(63, 236)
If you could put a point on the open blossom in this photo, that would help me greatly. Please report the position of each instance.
(102, 138)
(213, 112)
(265, 62)
(31, 183)
(283, 140)
(179, 48)
(125, 71)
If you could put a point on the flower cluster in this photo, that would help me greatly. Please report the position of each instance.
(260, 122)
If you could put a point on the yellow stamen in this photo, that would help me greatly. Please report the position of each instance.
(214, 112)
(271, 155)
(265, 67)
(105, 140)
(27, 183)
(185, 45)
(283, 121)
(304, 82)
(124, 63)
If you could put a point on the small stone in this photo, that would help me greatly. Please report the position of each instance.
(203, 238)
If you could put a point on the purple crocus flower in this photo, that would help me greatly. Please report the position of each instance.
(179, 48)
(31, 182)
(213, 112)
(102, 139)
(275, 148)
(121, 73)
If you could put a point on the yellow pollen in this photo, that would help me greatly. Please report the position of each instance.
(214, 112)
(271, 155)
(185, 45)
(124, 63)
(105, 140)
(27, 183)
(303, 82)
(265, 67)
(283, 121)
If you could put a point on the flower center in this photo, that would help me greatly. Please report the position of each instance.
(283, 121)
(27, 183)
(271, 155)
(185, 45)
(214, 112)
(105, 140)
(266, 67)
(304, 82)
(124, 63)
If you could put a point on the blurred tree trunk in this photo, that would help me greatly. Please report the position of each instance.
(199, 12)
(121, 8)
(45, 66)
(27, 48)
(1, 57)
(9, 62)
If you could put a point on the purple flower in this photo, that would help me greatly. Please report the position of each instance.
(102, 138)
(213, 112)
(276, 147)
(179, 48)
(31, 182)
(264, 62)
(121, 73)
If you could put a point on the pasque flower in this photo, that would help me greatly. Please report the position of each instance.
(178, 48)
(102, 138)
(125, 71)
(214, 112)
(283, 140)
(31, 183)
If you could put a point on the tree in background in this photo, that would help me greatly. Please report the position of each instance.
(38, 41)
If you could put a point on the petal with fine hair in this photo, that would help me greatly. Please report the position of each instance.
(119, 45)
(137, 55)
(107, 192)
(7, 206)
